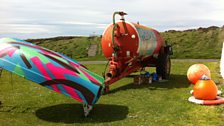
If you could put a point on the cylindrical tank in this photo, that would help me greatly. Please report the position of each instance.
(133, 40)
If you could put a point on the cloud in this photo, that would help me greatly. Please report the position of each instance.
(22, 28)
(83, 17)
(83, 23)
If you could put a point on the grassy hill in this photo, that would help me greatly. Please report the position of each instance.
(201, 43)
(72, 46)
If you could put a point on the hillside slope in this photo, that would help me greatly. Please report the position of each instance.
(75, 47)
(201, 43)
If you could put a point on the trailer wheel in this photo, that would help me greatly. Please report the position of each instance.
(163, 65)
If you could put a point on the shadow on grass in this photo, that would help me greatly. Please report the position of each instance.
(175, 81)
(73, 113)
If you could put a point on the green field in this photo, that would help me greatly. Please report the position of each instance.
(25, 103)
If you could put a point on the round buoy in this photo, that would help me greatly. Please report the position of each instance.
(196, 71)
(205, 90)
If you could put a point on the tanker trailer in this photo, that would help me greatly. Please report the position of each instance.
(129, 47)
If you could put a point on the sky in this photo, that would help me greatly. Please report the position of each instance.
(50, 18)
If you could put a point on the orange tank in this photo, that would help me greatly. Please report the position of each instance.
(134, 40)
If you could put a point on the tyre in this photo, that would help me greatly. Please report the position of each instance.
(163, 65)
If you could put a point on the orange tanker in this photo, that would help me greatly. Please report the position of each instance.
(130, 47)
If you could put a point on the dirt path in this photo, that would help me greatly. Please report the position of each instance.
(175, 60)
(92, 50)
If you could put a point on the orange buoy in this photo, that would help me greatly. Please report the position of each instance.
(205, 90)
(196, 71)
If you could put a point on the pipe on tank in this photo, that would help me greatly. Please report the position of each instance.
(116, 30)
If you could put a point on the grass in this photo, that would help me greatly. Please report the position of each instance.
(162, 104)
(75, 47)
(204, 43)
(196, 44)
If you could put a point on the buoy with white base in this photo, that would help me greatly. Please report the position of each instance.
(205, 92)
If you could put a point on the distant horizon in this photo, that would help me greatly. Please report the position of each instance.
(101, 34)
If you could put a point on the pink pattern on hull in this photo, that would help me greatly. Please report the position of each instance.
(90, 77)
(72, 93)
(60, 75)
(44, 72)
(10, 51)
(87, 75)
